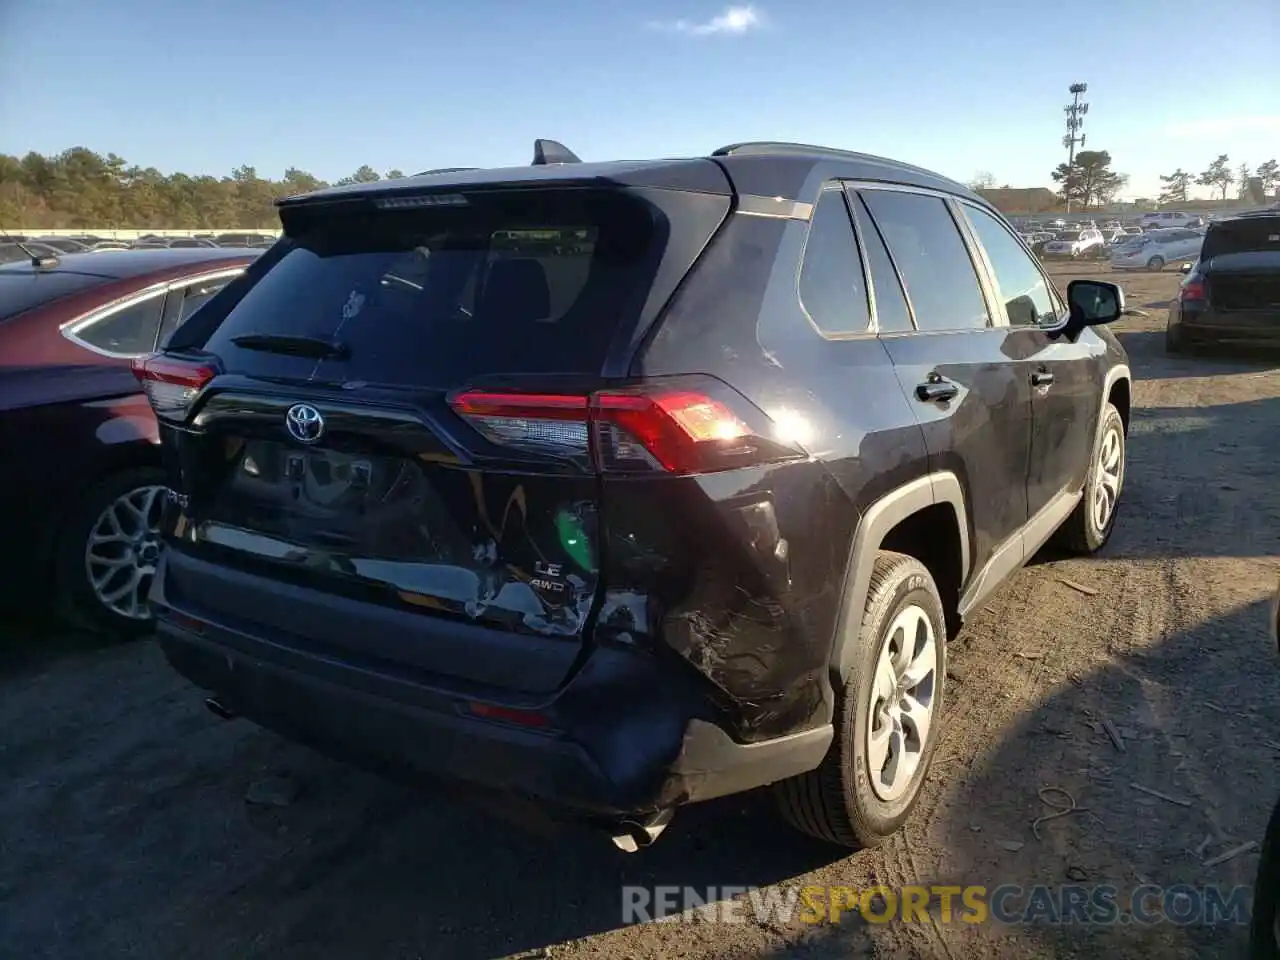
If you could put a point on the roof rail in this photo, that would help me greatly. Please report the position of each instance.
(781, 148)
(427, 173)
(552, 151)
(776, 147)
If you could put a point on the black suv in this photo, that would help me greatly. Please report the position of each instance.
(625, 485)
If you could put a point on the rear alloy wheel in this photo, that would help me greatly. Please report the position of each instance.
(109, 550)
(888, 715)
(900, 710)
(1155, 264)
(1089, 527)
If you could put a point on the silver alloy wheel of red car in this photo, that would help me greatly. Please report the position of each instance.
(122, 549)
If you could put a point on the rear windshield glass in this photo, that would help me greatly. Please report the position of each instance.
(1240, 236)
(534, 282)
(23, 289)
(1072, 235)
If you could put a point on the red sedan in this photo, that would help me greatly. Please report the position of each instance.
(80, 485)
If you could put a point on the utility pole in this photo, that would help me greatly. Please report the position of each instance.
(1075, 111)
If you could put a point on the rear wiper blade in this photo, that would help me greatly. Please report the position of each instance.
(298, 346)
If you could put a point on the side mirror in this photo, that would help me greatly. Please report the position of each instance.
(1093, 302)
(1185, 268)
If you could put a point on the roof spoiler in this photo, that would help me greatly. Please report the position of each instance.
(552, 151)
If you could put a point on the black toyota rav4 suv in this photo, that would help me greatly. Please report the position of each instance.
(620, 486)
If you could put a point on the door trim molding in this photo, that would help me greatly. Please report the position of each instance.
(1018, 548)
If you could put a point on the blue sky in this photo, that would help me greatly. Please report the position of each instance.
(327, 85)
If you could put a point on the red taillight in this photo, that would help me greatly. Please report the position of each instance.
(670, 428)
(171, 384)
(675, 429)
(1193, 290)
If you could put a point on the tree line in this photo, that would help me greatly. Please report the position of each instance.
(1089, 180)
(81, 188)
(1220, 176)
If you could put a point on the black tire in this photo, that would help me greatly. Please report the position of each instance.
(1155, 264)
(1174, 341)
(77, 601)
(1080, 533)
(1264, 934)
(837, 801)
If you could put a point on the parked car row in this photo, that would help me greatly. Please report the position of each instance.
(253, 240)
(1130, 225)
(11, 246)
(1089, 241)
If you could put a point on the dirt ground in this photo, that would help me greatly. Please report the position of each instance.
(124, 829)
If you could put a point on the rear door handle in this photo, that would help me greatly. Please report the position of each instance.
(1041, 378)
(933, 390)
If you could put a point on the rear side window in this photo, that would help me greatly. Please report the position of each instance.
(129, 331)
(892, 313)
(831, 284)
(1027, 301)
(926, 245)
(534, 282)
(1247, 234)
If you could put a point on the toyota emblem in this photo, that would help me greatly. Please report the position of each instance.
(304, 423)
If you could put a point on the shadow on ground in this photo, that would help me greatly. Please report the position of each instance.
(1214, 800)
(139, 788)
(31, 640)
(1150, 361)
(172, 863)
(1193, 471)
(1205, 468)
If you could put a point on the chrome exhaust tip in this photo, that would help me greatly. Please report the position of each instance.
(631, 836)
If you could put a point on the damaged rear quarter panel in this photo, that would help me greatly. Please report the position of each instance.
(737, 574)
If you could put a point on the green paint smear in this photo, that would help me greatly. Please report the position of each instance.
(574, 539)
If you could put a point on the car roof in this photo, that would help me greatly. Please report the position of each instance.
(1248, 217)
(127, 264)
(775, 170)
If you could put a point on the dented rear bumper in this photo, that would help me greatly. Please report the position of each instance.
(628, 735)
